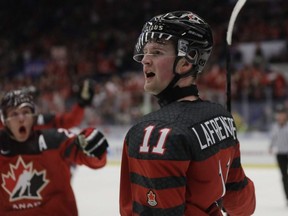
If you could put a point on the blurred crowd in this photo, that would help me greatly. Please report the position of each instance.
(53, 45)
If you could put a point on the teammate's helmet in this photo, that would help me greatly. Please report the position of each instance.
(16, 99)
(192, 35)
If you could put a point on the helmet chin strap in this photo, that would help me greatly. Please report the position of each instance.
(172, 93)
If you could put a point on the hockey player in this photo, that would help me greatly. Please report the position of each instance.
(70, 119)
(183, 159)
(34, 164)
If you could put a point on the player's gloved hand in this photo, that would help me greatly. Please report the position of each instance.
(86, 93)
(92, 142)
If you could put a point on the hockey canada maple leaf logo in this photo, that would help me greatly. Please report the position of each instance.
(24, 182)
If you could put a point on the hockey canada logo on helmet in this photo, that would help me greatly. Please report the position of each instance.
(16, 99)
(191, 34)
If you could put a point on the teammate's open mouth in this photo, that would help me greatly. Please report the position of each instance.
(22, 129)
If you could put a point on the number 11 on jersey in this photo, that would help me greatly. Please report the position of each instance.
(159, 148)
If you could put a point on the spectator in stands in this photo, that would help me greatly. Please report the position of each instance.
(278, 84)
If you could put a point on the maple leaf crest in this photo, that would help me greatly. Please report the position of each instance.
(24, 182)
(151, 198)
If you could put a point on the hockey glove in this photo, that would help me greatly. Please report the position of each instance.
(86, 93)
(92, 142)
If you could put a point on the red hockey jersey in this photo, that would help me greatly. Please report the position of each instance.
(184, 159)
(35, 175)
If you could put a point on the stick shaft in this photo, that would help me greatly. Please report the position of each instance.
(235, 12)
(228, 79)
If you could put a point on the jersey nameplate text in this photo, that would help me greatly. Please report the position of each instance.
(214, 131)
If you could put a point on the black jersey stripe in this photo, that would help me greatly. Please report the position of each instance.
(235, 186)
(158, 183)
(236, 163)
(148, 211)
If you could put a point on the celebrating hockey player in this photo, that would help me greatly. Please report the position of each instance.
(34, 164)
(183, 159)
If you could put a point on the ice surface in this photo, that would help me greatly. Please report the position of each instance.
(97, 191)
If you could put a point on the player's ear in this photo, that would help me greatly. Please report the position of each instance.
(183, 66)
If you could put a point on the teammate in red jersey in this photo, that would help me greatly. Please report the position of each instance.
(34, 164)
(183, 159)
(69, 119)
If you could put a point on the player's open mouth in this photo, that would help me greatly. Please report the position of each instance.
(22, 130)
(150, 74)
